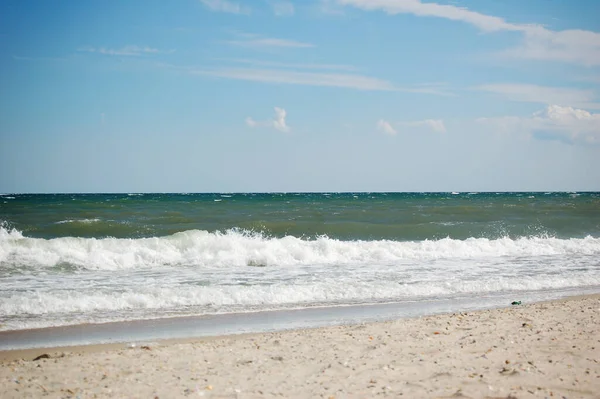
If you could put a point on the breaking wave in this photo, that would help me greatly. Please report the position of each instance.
(245, 248)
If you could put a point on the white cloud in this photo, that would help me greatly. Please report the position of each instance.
(577, 124)
(330, 8)
(573, 46)
(386, 127)
(283, 8)
(436, 125)
(538, 43)
(359, 82)
(131, 50)
(326, 79)
(484, 22)
(278, 122)
(543, 94)
(21, 58)
(339, 67)
(225, 6)
(553, 123)
(587, 78)
(256, 41)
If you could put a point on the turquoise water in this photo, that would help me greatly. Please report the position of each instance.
(75, 258)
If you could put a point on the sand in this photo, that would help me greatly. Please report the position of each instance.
(540, 350)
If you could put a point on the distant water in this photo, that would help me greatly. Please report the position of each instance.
(68, 259)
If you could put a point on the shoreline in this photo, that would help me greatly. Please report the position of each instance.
(549, 348)
(27, 353)
(227, 324)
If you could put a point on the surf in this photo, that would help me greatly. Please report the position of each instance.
(242, 248)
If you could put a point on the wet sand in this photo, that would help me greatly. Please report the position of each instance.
(549, 349)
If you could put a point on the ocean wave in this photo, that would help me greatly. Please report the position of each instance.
(245, 248)
(224, 299)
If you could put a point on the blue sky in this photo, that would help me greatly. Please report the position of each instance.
(315, 95)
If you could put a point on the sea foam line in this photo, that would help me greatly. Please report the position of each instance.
(243, 248)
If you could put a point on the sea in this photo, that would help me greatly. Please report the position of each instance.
(73, 259)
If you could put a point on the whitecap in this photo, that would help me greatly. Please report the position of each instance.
(84, 221)
(239, 247)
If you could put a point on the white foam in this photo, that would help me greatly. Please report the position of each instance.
(84, 221)
(197, 272)
(7, 233)
(56, 307)
(241, 248)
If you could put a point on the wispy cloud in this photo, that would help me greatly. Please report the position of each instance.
(436, 125)
(130, 51)
(386, 127)
(22, 58)
(262, 63)
(278, 122)
(225, 6)
(326, 79)
(282, 8)
(565, 124)
(353, 81)
(330, 8)
(571, 46)
(595, 79)
(251, 40)
(416, 7)
(543, 94)
(298, 76)
(538, 43)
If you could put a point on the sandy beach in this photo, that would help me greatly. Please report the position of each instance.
(549, 349)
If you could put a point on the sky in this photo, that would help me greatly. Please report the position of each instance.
(291, 95)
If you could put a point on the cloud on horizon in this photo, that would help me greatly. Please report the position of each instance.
(385, 127)
(566, 124)
(277, 123)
